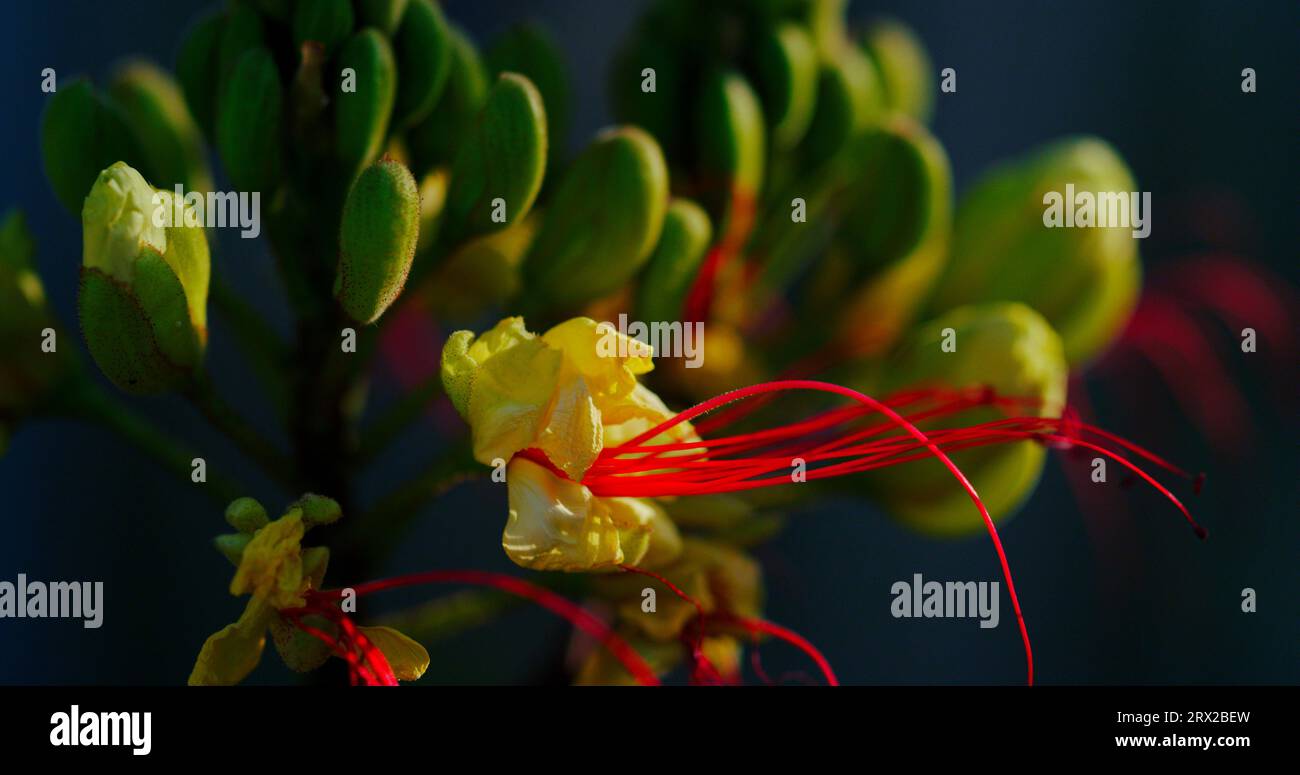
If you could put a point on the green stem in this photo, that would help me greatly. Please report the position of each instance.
(88, 402)
(261, 345)
(397, 418)
(250, 442)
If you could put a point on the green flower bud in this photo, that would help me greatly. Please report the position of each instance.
(503, 156)
(482, 272)
(603, 221)
(248, 124)
(280, 10)
(904, 67)
(786, 65)
(232, 545)
(893, 234)
(361, 116)
(686, 236)
(434, 140)
(528, 49)
(144, 285)
(318, 510)
(82, 133)
(197, 69)
(168, 136)
(242, 33)
(849, 99)
(377, 236)
(301, 651)
(423, 47)
(1008, 347)
(328, 22)
(731, 144)
(26, 372)
(1085, 281)
(384, 15)
(246, 515)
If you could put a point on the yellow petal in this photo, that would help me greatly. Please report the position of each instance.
(464, 354)
(573, 437)
(271, 566)
(231, 653)
(408, 659)
(556, 524)
(646, 534)
(607, 360)
(510, 398)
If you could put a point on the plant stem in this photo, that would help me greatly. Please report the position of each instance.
(249, 441)
(88, 402)
(397, 418)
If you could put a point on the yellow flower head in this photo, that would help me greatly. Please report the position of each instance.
(566, 394)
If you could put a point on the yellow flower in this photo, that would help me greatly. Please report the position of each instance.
(568, 393)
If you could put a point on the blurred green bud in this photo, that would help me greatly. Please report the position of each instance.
(423, 48)
(826, 21)
(384, 15)
(501, 161)
(668, 275)
(849, 99)
(301, 651)
(280, 10)
(246, 515)
(82, 132)
(786, 65)
(318, 510)
(361, 116)
(27, 372)
(1007, 347)
(248, 123)
(377, 237)
(198, 68)
(167, 135)
(731, 144)
(241, 33)
(893, 234)
(528, 49)
(328, 22)
(603, 221)
(144, 284)
(1085, 281)
(482, 272)
(433, 202)
(905, 70)
(434, 140)
(232, 545)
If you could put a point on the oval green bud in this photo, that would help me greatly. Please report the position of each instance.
(786, 65)
(167, 134)
(248, 124)
(361, 116)
(502, 158)
(384, 15)
(905, 70)
(246, 515)
(1008, 347)
(377, 237)
(423, 48)
(319, 510)
(197, 69)
(1084, 280)
(731, 144)
(849, 99)
(144, 284)
(528, 49)
(603, 221)
(434, 140)
(242, 33)
(82, 132)
(232, 546)
(27, 373)
(668, 275)
(328, 22)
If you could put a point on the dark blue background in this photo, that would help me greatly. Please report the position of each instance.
(1152, 605)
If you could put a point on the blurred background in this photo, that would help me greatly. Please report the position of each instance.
(1115, 592)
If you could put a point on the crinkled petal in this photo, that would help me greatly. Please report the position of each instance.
(231, 653)
(271, 566)
(556, 524)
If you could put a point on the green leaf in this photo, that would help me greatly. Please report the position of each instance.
(423, 47)
(361, 116)
(82, 133)
(528, 49)
(248, 123)
(668, 275)
(328, 22)
(377, 237)
(503, 156)
(603, 221)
